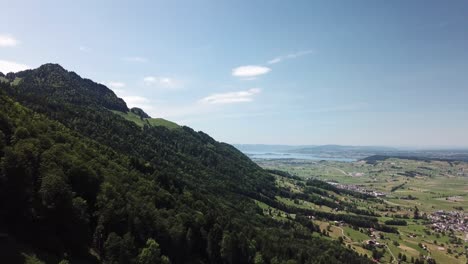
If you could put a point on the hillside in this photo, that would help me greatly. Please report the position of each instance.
(84, 184)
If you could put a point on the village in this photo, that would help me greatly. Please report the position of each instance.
(446, 221)
(357, 188)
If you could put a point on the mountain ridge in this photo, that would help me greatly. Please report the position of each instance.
(55, 76)
(132, 189)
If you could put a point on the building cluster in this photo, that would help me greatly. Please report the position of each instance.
(462, 172)
(373, 241)
(358, 189)
(444, 221)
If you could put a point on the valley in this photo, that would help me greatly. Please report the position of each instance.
(233, 132)
(424, 200)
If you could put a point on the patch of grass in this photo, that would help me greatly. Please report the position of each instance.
(162, 122)
(355, 235)
(147, 121)
(273, 212)
(304, 204)
(31, 259)
(16, 81)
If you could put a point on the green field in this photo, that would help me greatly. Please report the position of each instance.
(428, 185)
(147, 121)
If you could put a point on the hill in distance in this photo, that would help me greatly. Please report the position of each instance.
(267, 148)
(310, 148)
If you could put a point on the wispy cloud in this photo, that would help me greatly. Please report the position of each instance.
(132, 100)
(191, 114)
(162, 82)
(450, 21)
(8, 41)
(115, 85)
(141, 102)
(204, 112)
(290, 56)
(250, 71)
(135, 100)
(11, 66)
(231, 97)
(84, 49)
(337, 108)
(135, 59)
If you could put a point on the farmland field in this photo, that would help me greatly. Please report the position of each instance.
(425, 195)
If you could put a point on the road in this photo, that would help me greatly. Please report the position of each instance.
(342, 232)
(340, 170)
(391, 253)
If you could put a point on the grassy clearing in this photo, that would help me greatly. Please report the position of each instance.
(16, 81)
(273, 212)
(147, 121)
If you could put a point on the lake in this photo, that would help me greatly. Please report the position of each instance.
(299, 156)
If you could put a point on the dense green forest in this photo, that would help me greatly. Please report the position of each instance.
(82, 184)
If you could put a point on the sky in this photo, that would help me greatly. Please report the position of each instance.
(388, 73)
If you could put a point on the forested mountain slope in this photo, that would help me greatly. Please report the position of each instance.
(81, 183)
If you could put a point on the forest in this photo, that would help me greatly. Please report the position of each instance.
(81, 184)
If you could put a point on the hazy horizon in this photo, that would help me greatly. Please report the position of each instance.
(409, 147)
(360, 73)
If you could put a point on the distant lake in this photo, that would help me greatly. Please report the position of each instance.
(299, 156)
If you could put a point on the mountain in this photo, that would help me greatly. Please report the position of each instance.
(312, 149)
(82, 181)
(61, 86)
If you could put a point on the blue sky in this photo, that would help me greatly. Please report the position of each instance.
(276, 72)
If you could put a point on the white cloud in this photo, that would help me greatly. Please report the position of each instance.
(275, 60)
(135, 100)
(231, 97)
(135, 59)
(162, 82)
(11, 66)
(290, 56)
(150, 80)
(190, 114)
(115, 85)
(250, 71)
(138, 101)
(8, 41)
(84, 49)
